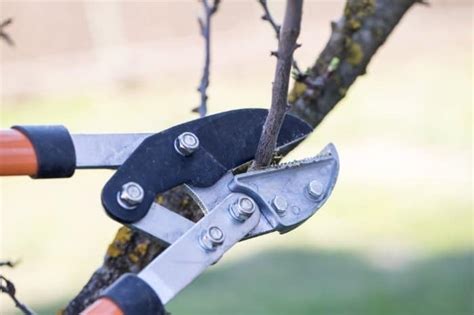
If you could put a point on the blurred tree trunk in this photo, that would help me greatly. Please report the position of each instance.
(355, 37)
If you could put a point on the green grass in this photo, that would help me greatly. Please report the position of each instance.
(328, 282)
(303, 282)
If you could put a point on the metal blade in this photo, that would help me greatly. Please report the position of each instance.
(291, 193)
(105, 150)
(289, 182)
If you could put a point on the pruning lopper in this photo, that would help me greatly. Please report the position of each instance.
(202, 155)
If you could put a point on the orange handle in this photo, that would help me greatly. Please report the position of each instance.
(103, 306)
(17, 155)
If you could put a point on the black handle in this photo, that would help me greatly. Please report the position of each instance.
(54, 150)
(134, 296)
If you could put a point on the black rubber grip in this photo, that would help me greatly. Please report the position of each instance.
(54, 150)
(134, 296)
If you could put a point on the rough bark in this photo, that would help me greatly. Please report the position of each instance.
(288, 34)
(356, 36)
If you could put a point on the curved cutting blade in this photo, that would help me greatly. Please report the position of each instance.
(301, 188)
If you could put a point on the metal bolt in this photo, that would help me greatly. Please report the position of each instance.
(315, 189)
(280, 205)
(186, 143)
(211, 238)
(131, 195)
(296, 210)
(242, 209)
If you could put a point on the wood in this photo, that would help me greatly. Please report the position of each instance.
(288, 35)
(103, 306)
(354, 41)
(17, 155)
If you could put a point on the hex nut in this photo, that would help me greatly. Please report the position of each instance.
(131, 195)
(280, 205)
(315, 189)
(186, 143)
(242, 208)
(211, 238)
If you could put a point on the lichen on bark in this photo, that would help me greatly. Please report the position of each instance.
(355, 38)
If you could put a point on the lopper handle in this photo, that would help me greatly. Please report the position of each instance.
(17, 155)
(103, 306)
(37, 151)
(128, 295)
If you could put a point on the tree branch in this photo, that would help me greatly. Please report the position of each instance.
(268, 17)
(297, 73)
(3, 34)
(205, 28)
(8, 263)
(366, 28)
(289, 33)
(355, 38)
(7, 287)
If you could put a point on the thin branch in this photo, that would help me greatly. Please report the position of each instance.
(4, 35)
(286, 46)
(9, 263)
(298, 75)
(205, 28)
(268, 17)
(7, 287)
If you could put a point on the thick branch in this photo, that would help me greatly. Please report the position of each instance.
(286, 46)
(354, 40)
(336, 69)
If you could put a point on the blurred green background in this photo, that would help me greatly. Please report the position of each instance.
(396, 237)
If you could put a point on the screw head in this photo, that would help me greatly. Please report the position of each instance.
(296, 210)
(315, 189)
(211, 238)
(131, 195)
(186, 143)
(280, 205)
(242, 209)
